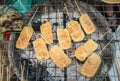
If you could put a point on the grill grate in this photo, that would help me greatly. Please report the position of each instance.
(46, 70)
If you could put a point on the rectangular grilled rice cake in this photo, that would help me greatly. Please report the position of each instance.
(40, 49)
(63, 38)
(87, 24)
(75, 31)
(46, 32)
(59, 57)
(24, 38)
(85, 50)
(91, 65)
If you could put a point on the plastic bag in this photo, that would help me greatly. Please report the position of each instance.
(23, 5)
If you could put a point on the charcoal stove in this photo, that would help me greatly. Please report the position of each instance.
(46, 70)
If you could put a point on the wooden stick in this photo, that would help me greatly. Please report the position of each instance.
(59, 17)
(46, 16)
(105, 46)
(2, 72)
(46, 40)
(29, 24)
(45, 10)
(66, 9)
(104, 35)
(81, 14)
(78, 7)
(117, 67)
(22, 72)
(7, 73)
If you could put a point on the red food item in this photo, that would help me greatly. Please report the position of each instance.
(113, 0)
(7, 35)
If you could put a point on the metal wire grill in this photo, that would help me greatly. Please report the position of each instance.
(40, 69)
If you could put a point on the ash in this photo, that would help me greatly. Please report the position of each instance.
(56, 74)
(73, 71)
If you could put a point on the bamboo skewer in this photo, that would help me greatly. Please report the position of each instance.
(94, 60)
(22, 72)
(86, 22)
(34, 31)
(104, 34)
(64, 42)
(77, 33)
(100, 36)
(59, 17)
(7, 73)
(29, 24)
(41, 34)
(78, 7)
(46, 40)
(45, 10)
(105, 46)
(46, 16)
(81, 12)
(117, 64)
(2, 72)
(66, 9)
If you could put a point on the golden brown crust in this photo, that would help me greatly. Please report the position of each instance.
(85, 50)
(75, 31)
(91, 65)
(63, 38)
(40, 49)
(24, 38)
(87, 24)
(46, 32)
(59, 57)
